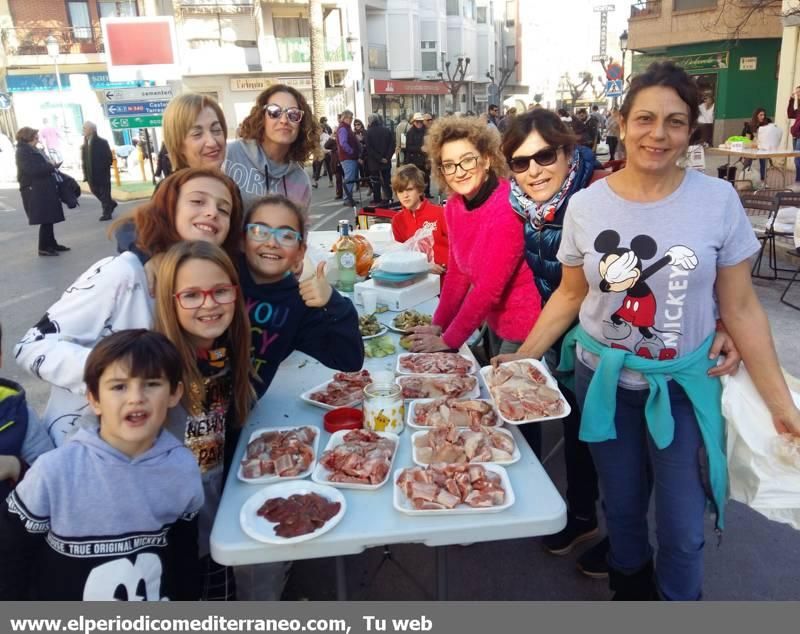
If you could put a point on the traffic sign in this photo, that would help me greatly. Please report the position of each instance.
(614, 88)
(124, 109)
(148, 121)
(614, 71)
(138, 94)
(599, 58)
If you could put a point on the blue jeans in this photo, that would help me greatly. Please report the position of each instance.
(797, 161)
(680, 497)
(350, 168)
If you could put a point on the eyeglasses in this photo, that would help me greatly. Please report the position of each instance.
(274, 111)
(283, 236)
(196, 297)
(467, 164)
(543, 158)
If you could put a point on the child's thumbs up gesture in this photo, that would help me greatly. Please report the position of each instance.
(316, 291)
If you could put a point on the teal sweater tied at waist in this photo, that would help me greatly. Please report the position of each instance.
(689, 371)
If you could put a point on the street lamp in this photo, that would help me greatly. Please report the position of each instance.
(623, 46)
(53, 50)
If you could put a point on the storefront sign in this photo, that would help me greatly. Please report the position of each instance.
(404, 87)
(748, 63)
(690, 63)
(239, 84)
(30, 83)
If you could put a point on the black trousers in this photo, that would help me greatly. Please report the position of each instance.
(381, 178)
(612, 146)
(317, 166)
(103, 193)
(47, 238)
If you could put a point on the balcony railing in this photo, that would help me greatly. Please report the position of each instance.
(646, 9)
(377, 56)
(297, 50)
(33, 41)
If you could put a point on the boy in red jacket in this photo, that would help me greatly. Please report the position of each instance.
(409, 185)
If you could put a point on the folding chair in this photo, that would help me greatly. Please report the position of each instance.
(795, 253)
(762, 208)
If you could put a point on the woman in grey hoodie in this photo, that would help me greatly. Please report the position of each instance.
(277, 137)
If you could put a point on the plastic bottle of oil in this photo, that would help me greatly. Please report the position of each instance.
(346, 258)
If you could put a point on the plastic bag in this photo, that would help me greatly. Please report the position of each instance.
(759, 474)
(421, 241)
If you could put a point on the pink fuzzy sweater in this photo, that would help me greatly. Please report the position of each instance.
(487, 278)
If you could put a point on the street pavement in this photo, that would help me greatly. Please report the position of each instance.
(756, 560)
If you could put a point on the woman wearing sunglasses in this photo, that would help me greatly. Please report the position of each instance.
(277, 137)
(487, 280)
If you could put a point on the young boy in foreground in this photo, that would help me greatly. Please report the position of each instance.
(110, 515)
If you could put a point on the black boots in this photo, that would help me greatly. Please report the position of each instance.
(639, 586)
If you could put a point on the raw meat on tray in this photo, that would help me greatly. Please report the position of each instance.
(363, 458)
(461, 413)
(458, 446)
(436, 363)
(281, 453)
(298, 514)
(419, 386)
(440, 487)
(346, 388)
(521, 393)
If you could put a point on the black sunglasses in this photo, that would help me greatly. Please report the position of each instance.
(543, 158)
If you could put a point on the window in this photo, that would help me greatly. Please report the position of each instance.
(452, 7)
(291, 27)
(116, 9)
(469, 9)
(429, 55)
(511, 13)
(689, 5)
(481, 15)
(79, 20)
(511, 56)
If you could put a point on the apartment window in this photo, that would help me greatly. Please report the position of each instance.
(511, 56)
(469, 9)
(429, 55)
(115, 9)
(452, 7)
(291, 27)
(79, 20)
(481, 15)
(689, 5)
(511, 13)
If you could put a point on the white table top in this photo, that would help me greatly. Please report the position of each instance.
(752, 153)
(371, 519)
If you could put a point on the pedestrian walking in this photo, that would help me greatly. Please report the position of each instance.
(97, 158)
(379, 142)
(39, 190)
(414, 154)
(349, 153)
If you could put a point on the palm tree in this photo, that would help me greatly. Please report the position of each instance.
(317, 58)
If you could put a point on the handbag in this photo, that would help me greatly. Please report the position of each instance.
(68, 189)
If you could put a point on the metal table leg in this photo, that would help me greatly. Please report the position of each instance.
(441, 573)
(341, 579)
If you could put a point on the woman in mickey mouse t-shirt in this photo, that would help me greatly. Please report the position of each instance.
(641, 269)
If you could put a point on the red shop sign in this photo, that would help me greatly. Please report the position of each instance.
(405, 87)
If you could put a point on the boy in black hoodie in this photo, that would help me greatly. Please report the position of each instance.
(287, 315)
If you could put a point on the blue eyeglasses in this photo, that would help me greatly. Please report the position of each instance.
(283, 236)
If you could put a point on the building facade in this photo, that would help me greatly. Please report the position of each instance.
(741, 74)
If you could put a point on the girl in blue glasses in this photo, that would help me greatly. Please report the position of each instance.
(287, 315)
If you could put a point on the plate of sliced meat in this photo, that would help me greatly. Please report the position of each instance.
(345, 389)
(525, 392)
(453, 445)
(435, 363)
(438, 385)
(292, 512)
(357, 459)
(452, 489)
(279, 453)
(430, 412)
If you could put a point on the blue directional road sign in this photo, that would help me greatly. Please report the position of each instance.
(614, 88)
(134, 108)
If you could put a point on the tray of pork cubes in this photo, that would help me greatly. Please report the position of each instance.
(357, 459)
(524, 391)
(279, 453)
(436, 363)
(452, 489)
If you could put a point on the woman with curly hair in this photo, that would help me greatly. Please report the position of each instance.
(277, 138)
(487, 278)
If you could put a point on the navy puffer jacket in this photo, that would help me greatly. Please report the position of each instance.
(541, 245)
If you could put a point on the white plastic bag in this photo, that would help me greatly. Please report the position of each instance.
(421, 241)
(758, 477)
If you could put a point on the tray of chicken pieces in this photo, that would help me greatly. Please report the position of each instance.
(279, 453)
(435, 363)
(453, 445)
(425, 413)
(357, 459)
(525, 392)
(452, 489)
(437, 385)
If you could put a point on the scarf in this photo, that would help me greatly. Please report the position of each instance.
(540, 214)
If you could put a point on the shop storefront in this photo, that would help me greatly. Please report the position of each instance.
(740, 77)
(393, 98)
